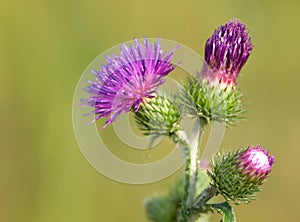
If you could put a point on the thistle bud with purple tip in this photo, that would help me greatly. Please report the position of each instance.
(226, 52)
(238, 175)
(255, 162)
(214, 96)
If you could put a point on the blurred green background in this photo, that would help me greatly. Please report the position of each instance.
(45, 46)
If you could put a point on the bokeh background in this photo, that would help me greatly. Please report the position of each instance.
(46, 45)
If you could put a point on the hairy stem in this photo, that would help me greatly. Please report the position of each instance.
(182, 140)
(190, 152)
(198, 131)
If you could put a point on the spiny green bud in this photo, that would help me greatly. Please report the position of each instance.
(237, 175)
(158, 116)
(211, 102)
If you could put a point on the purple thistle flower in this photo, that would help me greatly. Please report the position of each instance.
(128, 80)
(227, 50)
(255, 162)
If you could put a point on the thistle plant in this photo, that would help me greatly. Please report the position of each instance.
(131, 81)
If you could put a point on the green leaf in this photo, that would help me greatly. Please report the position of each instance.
(161, 209)
(225, 209)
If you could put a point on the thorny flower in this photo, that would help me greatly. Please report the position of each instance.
(128, 80)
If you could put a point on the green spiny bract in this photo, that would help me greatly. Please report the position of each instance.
(210, 102)
(158, 116)
(230, 180)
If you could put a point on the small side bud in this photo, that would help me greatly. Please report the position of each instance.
(238, 175)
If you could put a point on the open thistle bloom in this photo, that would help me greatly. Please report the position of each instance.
(237, 175)
(226, 51)
(128, 79)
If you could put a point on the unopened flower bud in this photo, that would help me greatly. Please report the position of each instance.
(226, 51)
(237, 175)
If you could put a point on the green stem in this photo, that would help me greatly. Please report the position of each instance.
(199, 206)
(205, 196)
(191, 167)
(182, 140)
(194, 156)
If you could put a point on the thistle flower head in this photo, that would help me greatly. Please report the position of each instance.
(227, 50)
(128, 79)
(238, 175)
